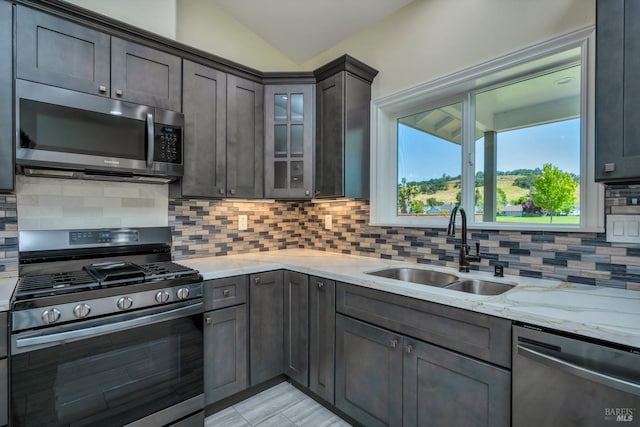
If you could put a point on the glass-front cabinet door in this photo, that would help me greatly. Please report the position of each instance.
(289, 141)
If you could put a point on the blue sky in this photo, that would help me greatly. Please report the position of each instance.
(423, 157)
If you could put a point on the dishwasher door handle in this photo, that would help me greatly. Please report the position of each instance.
(573, 369)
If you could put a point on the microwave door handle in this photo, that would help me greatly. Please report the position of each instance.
(150, 140)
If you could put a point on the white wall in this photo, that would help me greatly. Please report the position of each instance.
(432, 38)
(205, 26)
(157, 16)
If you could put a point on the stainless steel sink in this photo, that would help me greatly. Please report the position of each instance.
(417, 275)
(479, 287)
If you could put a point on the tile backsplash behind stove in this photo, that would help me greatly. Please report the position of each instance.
(210, 228)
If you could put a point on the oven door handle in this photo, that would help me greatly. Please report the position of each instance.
(94, 331)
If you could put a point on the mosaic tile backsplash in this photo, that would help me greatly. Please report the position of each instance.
(210, 228)
(8, 236)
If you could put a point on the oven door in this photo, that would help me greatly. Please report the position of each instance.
(144, 367)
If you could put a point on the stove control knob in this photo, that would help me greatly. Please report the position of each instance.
(124, 303)
(81, 310)
(51, 315)
(162, 296)
(182, 293)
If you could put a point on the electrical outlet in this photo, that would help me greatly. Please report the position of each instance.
(327, 222)
(242, 222)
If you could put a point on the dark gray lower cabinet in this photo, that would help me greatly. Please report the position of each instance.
(296, 327)
(4, 374)
(443, 388)
(6, 105)
(322, 328)
(225, 352)
(368, 373)
(266, 325)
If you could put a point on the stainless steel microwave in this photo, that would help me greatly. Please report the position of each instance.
(64, 133)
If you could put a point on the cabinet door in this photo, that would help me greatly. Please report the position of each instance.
(245, 138)
(330, 136)
(443, 388)
(60, 53)
(225, 352)
(289, 135)
(322, 328)
(6, 105)
(296, 327)
(144, 75)
(265, 316)
(205, 118)
(617, 90)
(368, 373)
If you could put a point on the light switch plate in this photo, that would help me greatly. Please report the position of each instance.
(328, 222)
(623, 228)
(242, 222)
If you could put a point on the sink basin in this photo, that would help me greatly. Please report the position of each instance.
(479, 287)
(417, 275)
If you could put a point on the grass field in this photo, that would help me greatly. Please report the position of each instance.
(563, 220)
(505, 183)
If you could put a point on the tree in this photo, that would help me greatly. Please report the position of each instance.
(554, 190)
(417, 206)
(406, 193)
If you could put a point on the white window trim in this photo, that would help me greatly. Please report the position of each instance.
(387, 110)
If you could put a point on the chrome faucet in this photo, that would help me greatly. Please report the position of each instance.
(465, 258)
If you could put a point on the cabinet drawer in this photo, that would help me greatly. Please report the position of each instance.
(479, 335)
(225, 292)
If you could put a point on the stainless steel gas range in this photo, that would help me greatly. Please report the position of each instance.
(105, 330)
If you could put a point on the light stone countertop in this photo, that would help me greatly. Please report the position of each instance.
(598, 312)
(7, 285)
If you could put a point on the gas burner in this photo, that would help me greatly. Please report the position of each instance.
(54, 284)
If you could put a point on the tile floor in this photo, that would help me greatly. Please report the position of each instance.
(280, 406)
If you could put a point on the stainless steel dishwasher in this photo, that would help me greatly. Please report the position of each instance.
(561, 381)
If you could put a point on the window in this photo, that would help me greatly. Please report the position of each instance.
(510, 141)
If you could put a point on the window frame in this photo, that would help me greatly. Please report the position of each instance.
(461, 87)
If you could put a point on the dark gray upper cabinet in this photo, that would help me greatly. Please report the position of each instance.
(245, 138)
(368, 373)
(205, 116)
(146, 76)
(343, 94)
(61, 53)
(6, 104)
(289, 135)
(296, 327)
(266, 313)
(225, 352)
(617, 91)
(443, 388)
(322, 328)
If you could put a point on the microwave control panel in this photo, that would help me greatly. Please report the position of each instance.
(168, 147)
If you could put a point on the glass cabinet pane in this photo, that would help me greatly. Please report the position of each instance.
(297, 140)
(297, 174)
(280, 113)
(297, 106)
(280, 143)
(280, 174)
